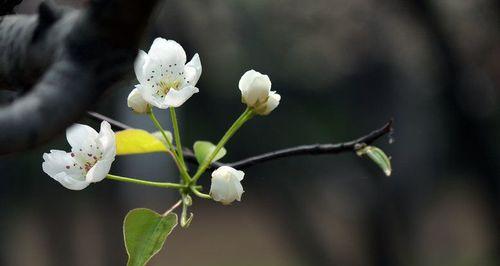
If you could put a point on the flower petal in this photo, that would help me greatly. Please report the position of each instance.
(107, 141)
(258, 91)
(272, 102)
(176, 98)
(193, 70)
(167, 52)
(247, 79)
(80, 135)
(99, 171)
(69, 182)
(61, 166)
(136, 101)
(139, 64)
(238, 190)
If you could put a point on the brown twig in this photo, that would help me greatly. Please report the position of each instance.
(312, 149)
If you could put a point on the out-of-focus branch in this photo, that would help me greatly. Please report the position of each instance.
(312, 149)
(68, 58)
(7, 6)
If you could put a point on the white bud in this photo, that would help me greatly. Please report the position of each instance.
(272, 102)
(226, 185)
(256, 92)
(136, 102)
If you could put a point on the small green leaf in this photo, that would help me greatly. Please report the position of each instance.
(203, 149)
(378, 156)
(137, 141)
(145, 232)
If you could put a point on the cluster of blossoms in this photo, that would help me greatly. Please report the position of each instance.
(165, 81)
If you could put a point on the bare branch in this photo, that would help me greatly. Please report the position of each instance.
(312, 149)
(112, 122)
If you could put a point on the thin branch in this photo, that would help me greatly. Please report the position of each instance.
(171, 209)
(112, 122)
(312, 149)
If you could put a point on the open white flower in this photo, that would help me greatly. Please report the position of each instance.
(226, 184)
(256, 92)
(89, 160)
(165, 80)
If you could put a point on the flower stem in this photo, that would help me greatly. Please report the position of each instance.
(177, 137)
(245, 116)
(158, 125)
(146, 183)
(200, 194)
(178, 162)
(177, 204)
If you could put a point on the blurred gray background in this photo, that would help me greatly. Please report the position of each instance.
(343, 68)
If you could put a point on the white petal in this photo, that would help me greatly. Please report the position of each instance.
(239, 174)
(272, 102)
(99, 171)
(238, 190)
(192, 71)
(176, 98)
(79, 136)
(60, 165)
(139, 64)
(258, 90)
(152, 70)
(69, 182)
(107, 141)
(148, 94)
(167, 52)
(217, 189)
(137, 102)
(247, 79)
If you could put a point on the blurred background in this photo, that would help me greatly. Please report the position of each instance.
(342, 68)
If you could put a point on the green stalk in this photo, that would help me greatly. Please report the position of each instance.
(200, 194)
(145, 183)
(182, 167)
(245, 116)
(177, 137)
(158, 125)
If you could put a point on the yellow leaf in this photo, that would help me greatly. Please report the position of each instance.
(137, 141)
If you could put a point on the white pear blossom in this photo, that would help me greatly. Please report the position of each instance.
(89, 160)
(256, 92)
(165, 80)
(226, 184)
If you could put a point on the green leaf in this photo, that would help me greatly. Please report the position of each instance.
(203, 149)
(137, 141)
(378, 156)
(145, 232)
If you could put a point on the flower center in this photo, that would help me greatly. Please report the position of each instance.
(85, 159)
(164, 87)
